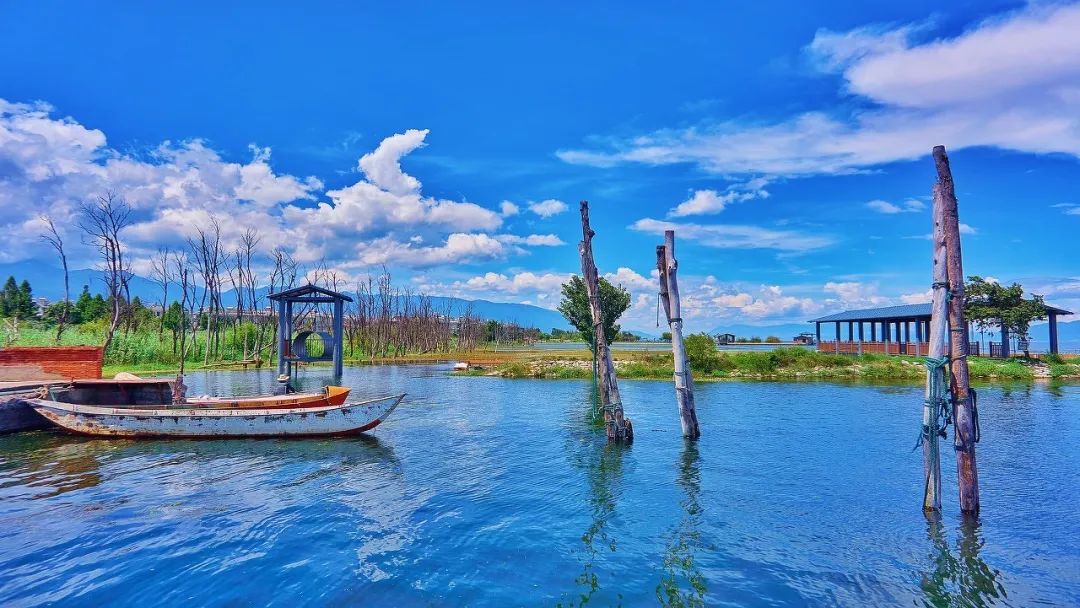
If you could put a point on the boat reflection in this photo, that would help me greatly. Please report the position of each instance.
(959, 577)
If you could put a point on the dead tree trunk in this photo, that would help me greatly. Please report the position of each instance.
(964, 434)
(618, 427)
(934, 405)
(669, 295)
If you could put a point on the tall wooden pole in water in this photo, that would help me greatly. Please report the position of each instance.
(964, 428)
(618, 427)
(935, 374)
(669, 295)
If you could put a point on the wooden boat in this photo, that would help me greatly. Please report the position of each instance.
(163, 421)
(330, 395)
(135, 391)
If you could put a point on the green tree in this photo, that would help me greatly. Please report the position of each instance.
(700, 350)
(90, 308)
(174, 320)
(991, 304)
(9, 298)
(666, 336)
(25, 307)
(614, 300)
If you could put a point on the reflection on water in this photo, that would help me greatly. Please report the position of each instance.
(601, 461)
(683, 583)
(959, 577)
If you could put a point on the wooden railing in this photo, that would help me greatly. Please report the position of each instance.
(918, 349)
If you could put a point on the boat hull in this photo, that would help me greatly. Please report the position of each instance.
(345, 419)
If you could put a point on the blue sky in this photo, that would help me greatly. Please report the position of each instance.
(788, 145)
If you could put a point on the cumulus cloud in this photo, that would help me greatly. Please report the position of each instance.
(548, 208)
(55, 164)
(508, 209)
(734, 236)
(704, 202)
(1012, 82)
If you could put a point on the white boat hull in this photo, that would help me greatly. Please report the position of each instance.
(345, 419)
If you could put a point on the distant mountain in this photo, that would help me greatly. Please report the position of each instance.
(48, 281)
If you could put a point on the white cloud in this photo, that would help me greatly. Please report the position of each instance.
(508, 209)
(853, 294)
(920, 297)
(704, 202)
(56, 163)
(883, 206)
(548, 207)
(1012, 82)
(631, 280)
(541, 240)
(383, 166)
(734, 236)
(911, 205)
(517, 283)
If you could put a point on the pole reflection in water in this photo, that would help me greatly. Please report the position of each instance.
(959, 578)
(683, 583)
(602, 462)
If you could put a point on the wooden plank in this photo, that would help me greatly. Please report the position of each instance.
(964, 427)
(668, 266)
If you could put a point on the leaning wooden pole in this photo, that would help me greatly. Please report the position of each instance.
(618, 426)
(667, 265)
(964, 434)
(935, 406)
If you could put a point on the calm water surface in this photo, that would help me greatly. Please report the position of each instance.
(485, 491)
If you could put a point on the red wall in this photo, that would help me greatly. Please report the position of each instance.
(50, 362)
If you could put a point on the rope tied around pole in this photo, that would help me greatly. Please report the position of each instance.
(941, 406)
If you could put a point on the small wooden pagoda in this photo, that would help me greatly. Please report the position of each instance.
(309, 345)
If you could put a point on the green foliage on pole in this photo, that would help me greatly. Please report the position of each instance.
(614, 300)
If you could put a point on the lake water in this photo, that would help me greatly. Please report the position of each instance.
(495, 492)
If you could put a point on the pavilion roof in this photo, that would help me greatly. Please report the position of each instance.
(898, 313)
(308, 290)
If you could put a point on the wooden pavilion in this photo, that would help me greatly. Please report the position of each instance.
(903, 330)
(309, 346)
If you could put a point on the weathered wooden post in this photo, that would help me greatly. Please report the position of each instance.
(964, 436)
(935, 404)
(669, 295)
(619, 428)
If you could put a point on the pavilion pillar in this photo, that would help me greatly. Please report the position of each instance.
(850, 331)
(836, 347)
(1052, 317)
(282, 337)
(817, 330)
(860, 337)
(918, 338)
(339, 338)
(1004, 341)
(873, 331)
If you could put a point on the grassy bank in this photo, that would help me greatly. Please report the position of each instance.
(783, 363)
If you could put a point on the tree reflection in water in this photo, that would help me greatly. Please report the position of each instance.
(963, 578)
(683, 583)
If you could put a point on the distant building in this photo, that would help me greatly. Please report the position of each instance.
(42, 304)
(806, 338)
(725, 338)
